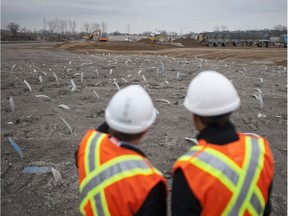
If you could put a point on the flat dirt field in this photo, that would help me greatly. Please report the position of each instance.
(39, 125)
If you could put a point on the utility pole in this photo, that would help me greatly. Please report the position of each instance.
(44, 23)
(128, 30)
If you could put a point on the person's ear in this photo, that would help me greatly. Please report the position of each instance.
(143, 133)
(195, 119)
(197, 122)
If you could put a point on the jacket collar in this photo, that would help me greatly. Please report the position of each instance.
(219, 135)
(126, 145)
(131, 147)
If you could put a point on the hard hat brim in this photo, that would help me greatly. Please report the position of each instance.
(124, 127)
(212, 112)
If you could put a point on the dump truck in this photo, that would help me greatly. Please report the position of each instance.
(248, 38)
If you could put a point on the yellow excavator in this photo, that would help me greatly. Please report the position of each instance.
(97, 35)
(157, 37)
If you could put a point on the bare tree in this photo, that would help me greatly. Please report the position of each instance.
(72, 26)
(281, 28)
(162, 32)
(116, 33)
(94, 26)
(52, 25)
(216, 29)
(223, 28)
(86, 27)
(44, 23)
(104, 27)
(63, 26)
(13, 27)
(56, 25)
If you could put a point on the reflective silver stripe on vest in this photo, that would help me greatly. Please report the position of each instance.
(255, 202)
(253, 163)
(216, 163)
(219, 165)
(110, 172)
(191, 153)
(92, 152)
(99, 208)
(233, 175)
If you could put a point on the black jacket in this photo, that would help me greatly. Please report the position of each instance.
(183, 201)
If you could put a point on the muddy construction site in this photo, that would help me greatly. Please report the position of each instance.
(52, 93)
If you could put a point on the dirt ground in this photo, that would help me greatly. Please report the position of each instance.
(38, 123)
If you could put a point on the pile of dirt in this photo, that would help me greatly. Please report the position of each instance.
(146, 41)
(276, 56)
(188, 42)
(141, 45)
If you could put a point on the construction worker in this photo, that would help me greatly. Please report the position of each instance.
(227, 172)
(116, 178)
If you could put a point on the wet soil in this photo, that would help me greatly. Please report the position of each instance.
(38, 123)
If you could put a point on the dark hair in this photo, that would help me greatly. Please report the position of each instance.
(124, 136)
(215, 120)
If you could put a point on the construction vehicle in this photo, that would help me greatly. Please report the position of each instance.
(157, 37)
(248, 38)
(97, 35)
(103, 37)
(283, 40)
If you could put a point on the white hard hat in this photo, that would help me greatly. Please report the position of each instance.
(211, 94)
(130, 110)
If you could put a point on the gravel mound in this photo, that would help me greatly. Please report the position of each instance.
(188, 42)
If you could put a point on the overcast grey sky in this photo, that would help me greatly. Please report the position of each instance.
(149, 15)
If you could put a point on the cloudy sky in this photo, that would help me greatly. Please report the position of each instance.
(181, 16)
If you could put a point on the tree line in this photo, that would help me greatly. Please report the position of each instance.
(58, 29)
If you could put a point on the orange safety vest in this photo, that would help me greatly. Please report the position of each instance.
(113, 180)
(231, 179)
